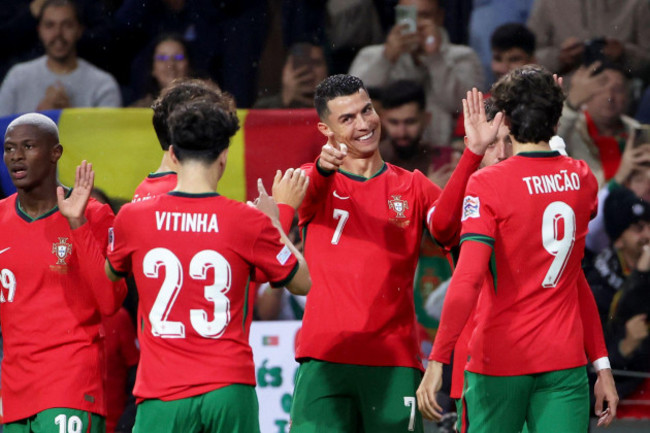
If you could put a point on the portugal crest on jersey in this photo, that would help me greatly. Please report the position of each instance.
(62, 250)
(398, 205)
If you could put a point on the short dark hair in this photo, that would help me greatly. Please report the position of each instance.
(532, 102)
(178, 92)
(403, 92)
(201, 129)
(332, 87)
(513, 35)
(75, 6)
(490, 109)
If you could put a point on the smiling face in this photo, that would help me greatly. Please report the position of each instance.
(352, 120)
(59, 30)
(31, 156)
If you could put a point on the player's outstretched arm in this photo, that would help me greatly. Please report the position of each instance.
(301, 281)
(74, 206)
(290, 188)
(332, 155)
(479, 132)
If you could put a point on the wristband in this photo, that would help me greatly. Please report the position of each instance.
(601, 363)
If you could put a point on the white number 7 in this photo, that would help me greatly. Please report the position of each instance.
(410, 402)
(558, 218)
(342, 216)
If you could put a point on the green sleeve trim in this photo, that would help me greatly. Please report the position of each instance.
(288, 279)
(487, 240)
(115, 271)
(322, 171)
(612, 185)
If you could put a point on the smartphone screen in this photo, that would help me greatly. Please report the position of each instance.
(406, 14)
(641, 135)
(301, 54)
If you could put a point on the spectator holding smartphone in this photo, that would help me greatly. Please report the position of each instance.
(426, 56)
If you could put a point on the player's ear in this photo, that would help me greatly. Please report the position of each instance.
(172, 154)
(57, 151)
(325, 129)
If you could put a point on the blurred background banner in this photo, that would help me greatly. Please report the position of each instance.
(123, 148)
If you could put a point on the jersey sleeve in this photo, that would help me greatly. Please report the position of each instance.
(478, 216)
(593, 331)
(91, 240)
(286, 219)
(319, 182)
(443, 219)
(461, 298)
(119, 250)
(272, 257)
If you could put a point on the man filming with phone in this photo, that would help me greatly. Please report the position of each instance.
(417, 48)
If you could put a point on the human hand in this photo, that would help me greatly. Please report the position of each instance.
(266, 204)
(398, 42)
(633, 158)
(291, 188)
(605, 391)
(297, 85)
(479, 132)
(332, 155)
(636, 328)
(584, 85)
(55, 98)
(430, 36)
(643, 265)
(74, 206)
(426, 393)
(613, 49)
(570, 53)
(35, 7)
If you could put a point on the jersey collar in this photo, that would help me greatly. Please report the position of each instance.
(540, 154)
(25, 216)
(192, 195)
(358, 178)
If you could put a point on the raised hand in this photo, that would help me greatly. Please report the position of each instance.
(398, 43)
(479, 132)
(585, 85)
(332, 155)
(266, 204)
(74, 206)
(633, 158)
(291, 187)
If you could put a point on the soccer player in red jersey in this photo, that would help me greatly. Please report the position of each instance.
(362, 222)
(487, 144)
(527, 351)
(52, 289)
(193, 253)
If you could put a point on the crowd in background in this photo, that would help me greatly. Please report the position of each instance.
(272, 53)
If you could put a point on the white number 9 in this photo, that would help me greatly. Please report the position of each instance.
(558, 237)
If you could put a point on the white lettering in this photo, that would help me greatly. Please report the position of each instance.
(550, 183)
(186, 222)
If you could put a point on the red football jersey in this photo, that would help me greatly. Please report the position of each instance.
(533, 209)
(50, 318)
(361, 241)
(155, 184)
(192, 256)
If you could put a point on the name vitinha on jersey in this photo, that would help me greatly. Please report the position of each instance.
(186, 222)
(548, 183)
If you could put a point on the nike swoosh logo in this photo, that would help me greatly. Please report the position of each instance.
(338, 196)
(2, 251)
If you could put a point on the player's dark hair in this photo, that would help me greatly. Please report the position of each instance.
(332, 87)
(178, 92)
(402, 92)
(75, 6)
(513, 35)
(490, 109)
(531, 101)
(201, 129)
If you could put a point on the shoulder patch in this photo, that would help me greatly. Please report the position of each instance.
(471, 208)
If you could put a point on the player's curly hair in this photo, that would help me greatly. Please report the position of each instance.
(333, 87)
(201, 129)
(179, 92)
(531, 101)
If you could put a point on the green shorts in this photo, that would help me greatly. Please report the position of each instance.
(59, 420)
(232, 409)
(341, 398)
(556, 401)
